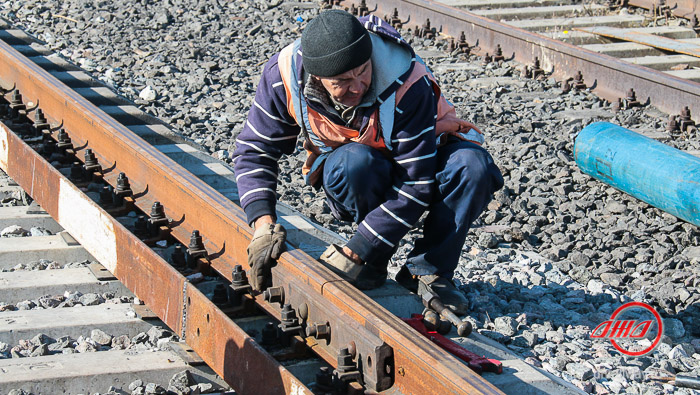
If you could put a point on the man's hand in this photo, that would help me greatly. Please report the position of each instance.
(264, 249)
(470, 125)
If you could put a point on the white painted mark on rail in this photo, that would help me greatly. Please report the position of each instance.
(4, 147)
(84, 220)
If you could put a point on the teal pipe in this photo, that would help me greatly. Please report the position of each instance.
(660, 175)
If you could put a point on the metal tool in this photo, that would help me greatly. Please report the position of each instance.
(475, 362)
(432, 301)
(434, 323)
(680, 381)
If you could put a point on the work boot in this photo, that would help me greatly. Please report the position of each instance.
(451, 297)
(407, 280)
(364, 277)
(374, 273)
(343, 266)
(370, 277)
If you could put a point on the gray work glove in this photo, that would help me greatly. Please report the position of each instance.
(265, 248)
(335, 260)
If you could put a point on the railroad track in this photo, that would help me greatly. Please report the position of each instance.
(603, 28)
(552, 52)
(67, 325)
(594, 27)
(90, 158)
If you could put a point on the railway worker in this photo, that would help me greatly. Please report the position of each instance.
(382, 142)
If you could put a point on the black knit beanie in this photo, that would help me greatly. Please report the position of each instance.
(334, 42)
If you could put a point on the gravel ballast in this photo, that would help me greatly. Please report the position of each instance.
(554, 255)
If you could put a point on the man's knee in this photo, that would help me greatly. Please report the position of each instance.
(475, 169)
(354, 163)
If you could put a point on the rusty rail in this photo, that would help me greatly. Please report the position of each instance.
(236, 356)
(606, 76)
(390, 353)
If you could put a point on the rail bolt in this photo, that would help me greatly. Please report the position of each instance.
(362, 10)
(498, 55)
(40, 122)
(324, 380)
(195, 249)
(177, 258)
(462, 43)
(106, 196)
(123, 186)
(319, 331)
(269, 334)
(686, 121)
(196, 243)
(48, 146)
(427, 31)
(157, 218)
(274, 295)
(64, 141)
(631, 99)
(239, 286)
(76, 172)
(289, 324)
(16, 99)
(288, 317)
(565, 87)
(672, 125)
(536, 69)
(16, 105)
(141, 226)
(578, 81)
(91, 163)
(238, 276)
(394, 20)
(220, 297)
(157, 211)
(347, 369)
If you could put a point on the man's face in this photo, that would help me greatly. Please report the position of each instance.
(349, 88)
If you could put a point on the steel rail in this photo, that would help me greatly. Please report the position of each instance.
(608, 77)
(416, 365)
(146, 274)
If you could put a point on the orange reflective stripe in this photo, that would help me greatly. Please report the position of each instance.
(284, 63)
(447, 120)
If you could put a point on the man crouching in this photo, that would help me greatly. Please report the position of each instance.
(383, 143)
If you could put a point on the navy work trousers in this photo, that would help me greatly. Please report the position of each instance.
(357, 179)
